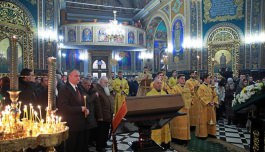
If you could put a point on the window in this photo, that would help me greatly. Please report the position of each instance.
(95, 65)
(99, 64)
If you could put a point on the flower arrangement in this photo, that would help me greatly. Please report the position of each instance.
(247, 93)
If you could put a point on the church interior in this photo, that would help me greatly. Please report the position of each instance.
(217, 44)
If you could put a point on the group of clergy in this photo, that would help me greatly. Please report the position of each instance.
(199, 100)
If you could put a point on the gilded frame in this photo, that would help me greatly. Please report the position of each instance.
(20, 27)
(231, 43)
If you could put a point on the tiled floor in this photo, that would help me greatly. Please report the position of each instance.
(229, 133)
(232, 134)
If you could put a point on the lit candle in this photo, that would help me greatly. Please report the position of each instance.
(85, 100)
(30, 112)
(24, 111)
(19, 105)
(56, 120)
(40, 111)
(36, 115)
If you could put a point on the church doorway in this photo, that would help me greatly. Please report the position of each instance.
(100, 65)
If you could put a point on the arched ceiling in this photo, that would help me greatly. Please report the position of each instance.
(87, 10)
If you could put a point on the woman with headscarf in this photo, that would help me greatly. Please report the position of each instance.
(229, 96)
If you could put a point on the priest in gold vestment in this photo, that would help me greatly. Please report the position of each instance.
(172, 81)
(180, 125)
(121, 89)
(160, 136)
(206, 124)
(144, 77)
(193, 86)
(163, 79)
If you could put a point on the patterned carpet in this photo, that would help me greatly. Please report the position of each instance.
(229, 138)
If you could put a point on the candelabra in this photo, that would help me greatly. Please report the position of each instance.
(14, 92)
(51, 83)
(32, 130)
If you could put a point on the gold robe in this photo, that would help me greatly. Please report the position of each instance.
(143, 89)
(191, 84)
(120, 86)
(172, 81)
(165, 86)
(206, 112)
(160, 135)
(180, 125)
(111, 84)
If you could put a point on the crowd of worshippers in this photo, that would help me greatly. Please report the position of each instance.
(88, 104)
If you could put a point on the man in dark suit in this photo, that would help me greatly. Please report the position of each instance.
(104, 114)
(27, 87)
(71, 105)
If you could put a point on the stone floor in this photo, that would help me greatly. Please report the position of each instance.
(229, 133)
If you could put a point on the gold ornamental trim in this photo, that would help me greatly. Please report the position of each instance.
(13, 14)
(45, 140)
(224, 38)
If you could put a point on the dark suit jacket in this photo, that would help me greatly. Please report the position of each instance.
(70, 107)
(106, 104)
(92, 106)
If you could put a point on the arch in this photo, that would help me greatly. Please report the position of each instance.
(150, 35)
(23, 14)
(27, 13)
(223, 25)
(180, 17)
(223, 40)
(178, 51)
(16, 20)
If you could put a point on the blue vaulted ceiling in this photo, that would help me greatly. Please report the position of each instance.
(102, 10)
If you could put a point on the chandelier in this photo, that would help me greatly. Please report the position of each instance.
(114, 30)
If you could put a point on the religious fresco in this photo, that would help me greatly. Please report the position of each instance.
(131, 37)
(71, 35)
(156, 38)
(138, 61)
(125, 62)
(222, 10)
(87, 35)
(223, 59)
(151, 31)
(177, 7)
(102, 35)
(161, 31)
(177, 39)
(72, 59)
(159, 51)
(117, 39)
